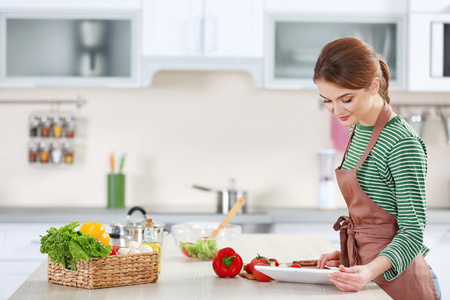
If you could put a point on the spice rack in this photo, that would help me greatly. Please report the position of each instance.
(51, 138)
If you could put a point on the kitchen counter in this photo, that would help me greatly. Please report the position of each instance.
(268, 215)
(184, 278)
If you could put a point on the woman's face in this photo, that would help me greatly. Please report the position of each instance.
(350, 106)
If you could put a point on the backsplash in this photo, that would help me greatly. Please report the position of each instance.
(191, 127)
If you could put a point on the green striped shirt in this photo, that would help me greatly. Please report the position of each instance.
(393, 176)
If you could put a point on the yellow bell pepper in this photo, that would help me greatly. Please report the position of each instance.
(96, 230)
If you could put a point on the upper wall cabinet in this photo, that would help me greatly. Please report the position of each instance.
(70, 4)
(203, 35)
(76, 49)
(429, 46)
(294, 43)
(296, 31)
(203, 28)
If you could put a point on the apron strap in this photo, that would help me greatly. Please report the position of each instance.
(382, 119)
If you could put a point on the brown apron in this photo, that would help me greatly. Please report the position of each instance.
(369, 229)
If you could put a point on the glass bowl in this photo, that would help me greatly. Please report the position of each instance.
(190, 238)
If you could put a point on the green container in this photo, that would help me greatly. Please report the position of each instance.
(116, 190)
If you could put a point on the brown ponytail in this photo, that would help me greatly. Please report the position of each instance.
(384, 80)
(352, 64)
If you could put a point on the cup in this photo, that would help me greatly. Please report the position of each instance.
(116, 190)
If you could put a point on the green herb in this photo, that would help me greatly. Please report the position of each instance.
(66, 246)
(201, 249)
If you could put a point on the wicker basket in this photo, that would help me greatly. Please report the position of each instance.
(116, 270)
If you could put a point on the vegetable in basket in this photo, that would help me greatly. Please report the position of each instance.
(66, 246)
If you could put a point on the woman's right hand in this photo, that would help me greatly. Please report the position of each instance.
(332, 259)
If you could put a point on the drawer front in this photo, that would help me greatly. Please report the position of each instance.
(22, 241)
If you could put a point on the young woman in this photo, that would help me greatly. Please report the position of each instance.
(382, 178)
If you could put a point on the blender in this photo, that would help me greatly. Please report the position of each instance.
(327, 184)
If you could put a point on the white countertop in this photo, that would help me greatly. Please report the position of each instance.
(184, 278)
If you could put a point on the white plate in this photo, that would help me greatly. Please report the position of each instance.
(301, 275)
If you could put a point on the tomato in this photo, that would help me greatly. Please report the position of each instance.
(116, 247)
(185, 252)
(113, 252)
(257, 259)
(260, 276)
(295, 266)
(274, 262)
(248, 269)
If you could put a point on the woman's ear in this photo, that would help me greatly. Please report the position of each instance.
(375, 86)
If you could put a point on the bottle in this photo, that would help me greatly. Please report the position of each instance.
(68, 153)
(57, 127)
(69, 127)
(32, 152)
(56, 153)
(152, 241)
(44, 152)
(45, 126)
(34, 125)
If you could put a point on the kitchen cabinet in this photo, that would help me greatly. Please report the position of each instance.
(294, 42)
(215, 28)
(429, 52)
(324, 7)
(70, 4)
(20, 253)
(202, 35)
(69, 49)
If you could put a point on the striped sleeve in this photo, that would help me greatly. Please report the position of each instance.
(408, 166)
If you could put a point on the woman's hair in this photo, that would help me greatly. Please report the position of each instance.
(352, 64)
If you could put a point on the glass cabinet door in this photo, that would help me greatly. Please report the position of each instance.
(69, 50)
(294, 44)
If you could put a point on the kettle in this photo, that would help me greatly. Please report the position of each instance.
(226, 197)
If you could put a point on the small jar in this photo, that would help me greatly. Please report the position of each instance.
(57, 153)
(57, 127)
(34, 125)
(44, 152)
(68, 153)
(32, 152)
(69, 129)
(45, 126)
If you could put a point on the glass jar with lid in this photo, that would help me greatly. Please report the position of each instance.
(44, 152)
(69, 129)
(68, 153)
(57, 127)
(45, 126)
(57, 152)
(34, 125)
(32, 151)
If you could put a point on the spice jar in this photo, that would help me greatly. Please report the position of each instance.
(57, 127)
(44, 152)
(34, 125)
(68, 153)
(69, 127)
(56, 153)
(45, 126)
(32, 152)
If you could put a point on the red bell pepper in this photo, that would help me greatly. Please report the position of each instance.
(227, 263)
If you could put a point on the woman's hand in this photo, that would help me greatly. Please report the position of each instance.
(329, 259)
(354, 278)
(351, 279)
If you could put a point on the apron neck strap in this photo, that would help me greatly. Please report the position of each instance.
(382, 119)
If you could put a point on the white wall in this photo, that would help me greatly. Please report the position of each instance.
(189, 127)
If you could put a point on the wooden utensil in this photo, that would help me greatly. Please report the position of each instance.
(230, 215)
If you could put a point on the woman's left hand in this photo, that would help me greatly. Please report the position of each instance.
(351, 279)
